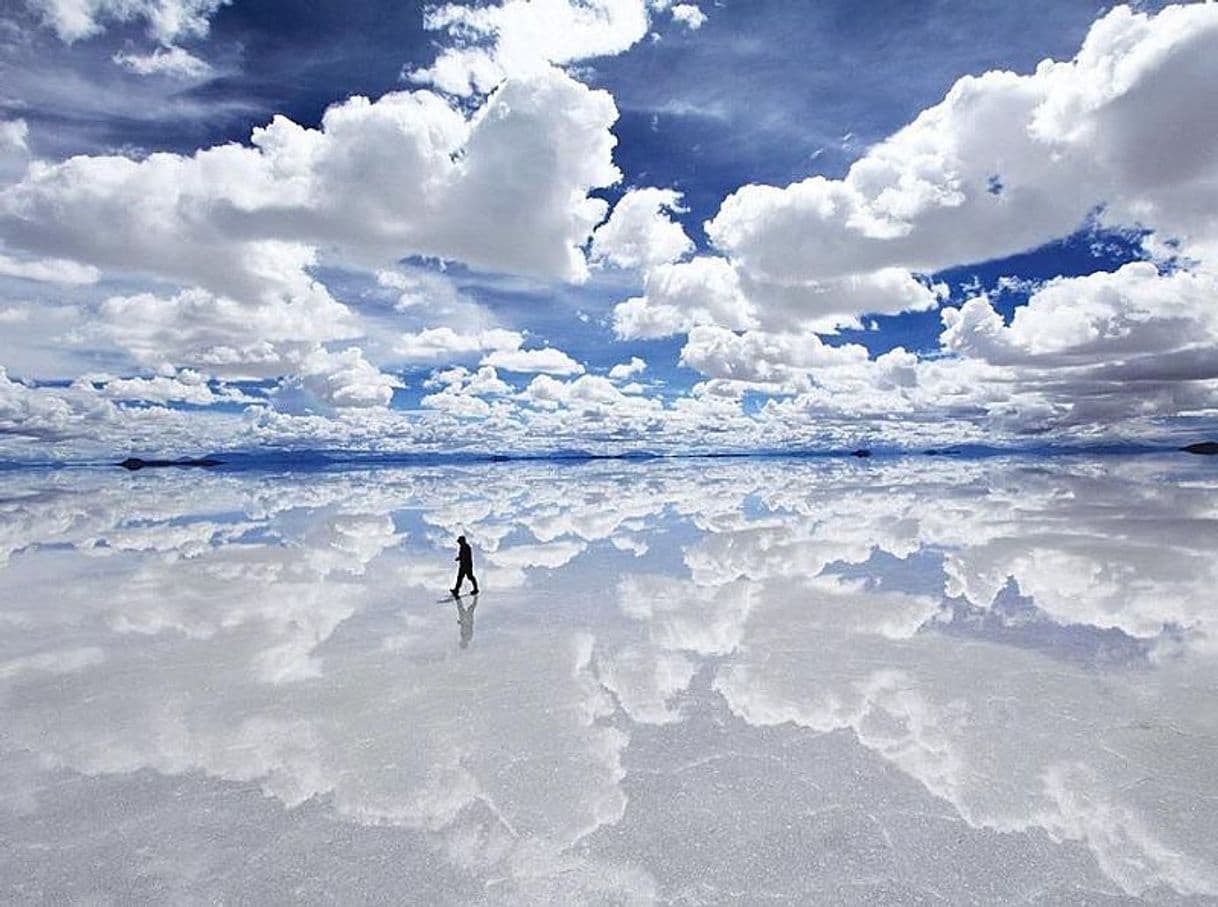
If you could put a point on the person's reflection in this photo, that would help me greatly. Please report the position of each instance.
(465, 618)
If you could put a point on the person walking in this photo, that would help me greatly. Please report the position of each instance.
(465, 565)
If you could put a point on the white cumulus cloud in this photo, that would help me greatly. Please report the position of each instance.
(1007, 162)
(689, 15)
(343, 380)
(432, 344)
(624, 370)
(641, 232)
(518, 37)
(546, 360)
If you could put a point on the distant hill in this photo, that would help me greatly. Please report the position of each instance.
(134, 463)
(1209, 448)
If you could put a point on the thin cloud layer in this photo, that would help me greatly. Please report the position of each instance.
(165, 20)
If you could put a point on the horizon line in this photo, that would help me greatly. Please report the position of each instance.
(320, 458)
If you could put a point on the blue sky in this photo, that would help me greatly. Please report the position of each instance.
(786, 224)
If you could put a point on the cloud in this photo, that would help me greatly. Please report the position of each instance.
(591, 406)
(1109, 355)
(14, 135)
(14, 148)
(756, 357)
(460, 405)
(444, 343)
(343, 380)
(1132, 319)
(185, 386)
(167, 61)
(424, 293)
(689, 15)
(519, 37)
(165, 20)
(242, 228)
(404, 175)
(461, 380)
(225, 335)
(31, 413)
(640, 232)
(216, 263)
(624, 370)
(677, 297)
(462, 391)
(1008, 162)
(48, 270)
(97, 421)
(712, 291)
(548, 360)
(1104, 349)
(1005, 162)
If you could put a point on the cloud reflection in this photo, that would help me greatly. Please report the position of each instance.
(641, 625)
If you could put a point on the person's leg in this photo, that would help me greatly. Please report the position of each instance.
(465, 573)
(457, 585)
(474, 580)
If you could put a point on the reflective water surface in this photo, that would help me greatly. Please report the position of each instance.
(912, 680)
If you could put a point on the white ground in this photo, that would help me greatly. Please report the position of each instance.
(916, 680)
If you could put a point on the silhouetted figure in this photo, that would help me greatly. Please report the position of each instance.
(465, 617)
(465, 566)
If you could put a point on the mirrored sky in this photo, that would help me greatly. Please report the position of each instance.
(686, 682)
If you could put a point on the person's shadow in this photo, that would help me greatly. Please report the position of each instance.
(465, 618)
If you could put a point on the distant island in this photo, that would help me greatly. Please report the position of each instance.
(134, 463)
(1208, 448)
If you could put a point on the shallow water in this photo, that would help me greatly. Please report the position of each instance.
(907, 680)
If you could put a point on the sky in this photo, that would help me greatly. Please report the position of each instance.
(607, 225)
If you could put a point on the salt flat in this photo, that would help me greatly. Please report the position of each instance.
(912, 680)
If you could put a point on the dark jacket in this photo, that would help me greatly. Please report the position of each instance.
(465, 556)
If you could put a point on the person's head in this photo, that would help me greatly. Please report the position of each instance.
(460, 540)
